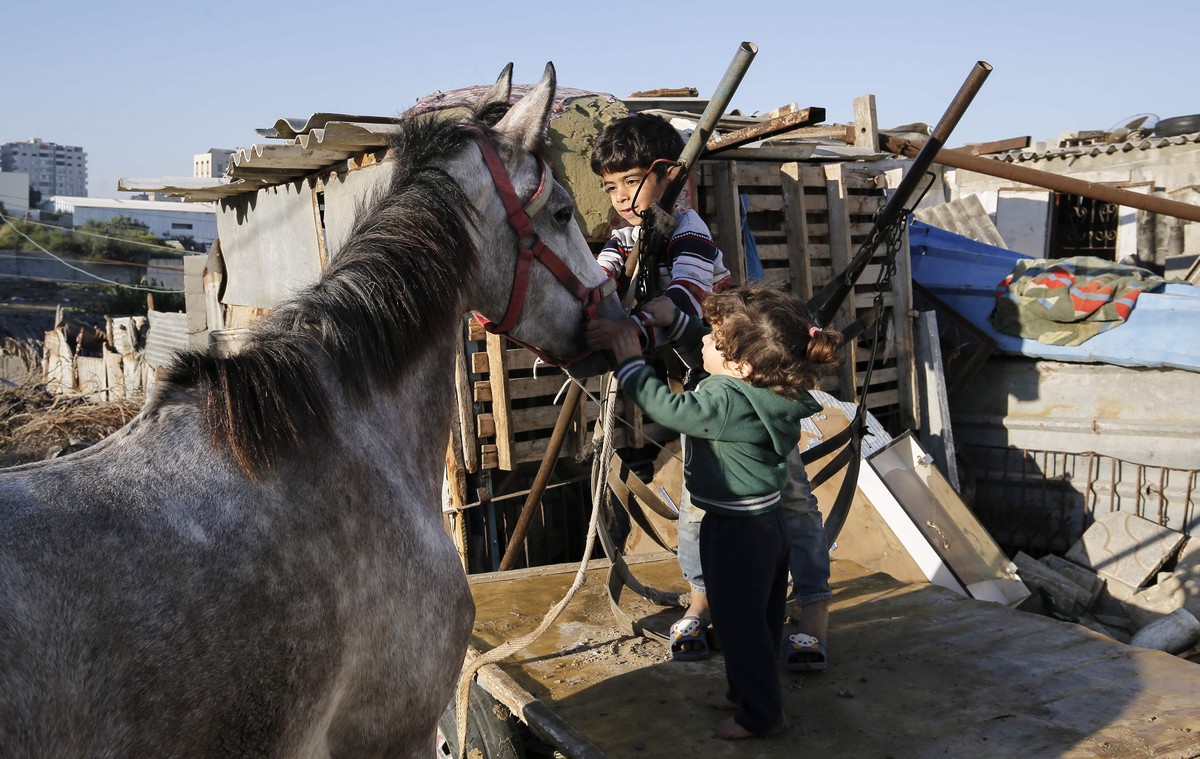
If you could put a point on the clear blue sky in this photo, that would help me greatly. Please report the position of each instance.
(142, 86)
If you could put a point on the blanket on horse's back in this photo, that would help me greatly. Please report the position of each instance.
(1066, 301)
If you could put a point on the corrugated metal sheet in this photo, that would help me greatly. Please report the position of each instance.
(167, 336)
(324, 140)
(1049, 154)
(319, 142)
(269, 244)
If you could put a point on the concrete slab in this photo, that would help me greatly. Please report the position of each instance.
(1125, 547)
(1085, 578)
(916, 671)
(1064, 592)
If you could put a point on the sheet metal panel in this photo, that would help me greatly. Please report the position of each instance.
(167, 336)
(269, 243)
(344, 194)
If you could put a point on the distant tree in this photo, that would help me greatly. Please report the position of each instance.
(188, 243)
(120, 238)
(35, 197)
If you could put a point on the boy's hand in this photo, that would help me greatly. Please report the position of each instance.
(662, 309)
(601, 332)
(626, 343)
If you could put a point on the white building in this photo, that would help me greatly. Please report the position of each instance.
(195, 220)
(14, 192)
(211, 164)
(52, 169)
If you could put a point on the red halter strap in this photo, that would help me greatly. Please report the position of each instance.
(530, 247)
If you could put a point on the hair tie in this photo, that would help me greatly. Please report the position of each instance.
(813, 330)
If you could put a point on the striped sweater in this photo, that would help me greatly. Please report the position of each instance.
(692, 268)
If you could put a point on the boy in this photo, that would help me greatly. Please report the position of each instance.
(740, 424)
(632, 157)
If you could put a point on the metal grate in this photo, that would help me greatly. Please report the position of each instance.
(1041, 501)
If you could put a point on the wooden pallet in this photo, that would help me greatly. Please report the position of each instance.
(807, 221)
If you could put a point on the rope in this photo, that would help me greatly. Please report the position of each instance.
(600, 482)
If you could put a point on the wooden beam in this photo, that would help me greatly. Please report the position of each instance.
(866, 123)
(729, 218)
(771, 128)
(498, 379)
(997, 146)
(795, 216)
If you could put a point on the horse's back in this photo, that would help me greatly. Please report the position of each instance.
(157, 605)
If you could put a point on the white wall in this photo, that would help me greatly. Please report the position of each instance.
(14, 192)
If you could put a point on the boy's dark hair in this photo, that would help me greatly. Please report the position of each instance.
(636, 142)
(771, 329)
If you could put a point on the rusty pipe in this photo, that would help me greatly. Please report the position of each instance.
(959, 159)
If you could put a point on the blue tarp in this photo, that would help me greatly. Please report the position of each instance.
(1163, 329)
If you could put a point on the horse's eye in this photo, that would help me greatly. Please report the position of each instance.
(564, 215)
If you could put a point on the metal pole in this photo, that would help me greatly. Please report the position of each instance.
(691, 151)
(827, 301)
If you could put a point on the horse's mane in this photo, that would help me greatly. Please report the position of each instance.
(392, 291)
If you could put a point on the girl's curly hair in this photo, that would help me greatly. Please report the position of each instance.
(771, 330)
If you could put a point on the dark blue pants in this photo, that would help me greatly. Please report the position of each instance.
(745, 563)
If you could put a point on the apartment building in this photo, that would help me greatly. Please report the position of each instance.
(211, 164)
(53, 169)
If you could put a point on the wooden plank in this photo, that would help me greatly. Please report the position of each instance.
(769, 128)
(758, 202)
(880, 376)
(531, 419)
(317, 192)
(515, 358)
(840, 253)
(866, 123)
(998, 146)
(475, 330)
(933, 424)
(795, 214)
(841, 132)
(488, 459)
(902, 327)
(520, 388)
(757, 175)
(498, 379)
(465, 406)
(456, 478)
(728, 234)
(773, 252)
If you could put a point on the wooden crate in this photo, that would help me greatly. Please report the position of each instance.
(507, 409)
(807, 221)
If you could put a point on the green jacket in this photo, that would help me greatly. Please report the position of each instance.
(737, 436)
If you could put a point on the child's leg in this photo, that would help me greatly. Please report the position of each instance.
(686, 644)
(745, 566)
(809, 562)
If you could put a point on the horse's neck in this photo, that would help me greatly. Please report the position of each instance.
(404, 425)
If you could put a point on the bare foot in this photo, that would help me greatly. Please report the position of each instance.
(718, 701)
(729, 730)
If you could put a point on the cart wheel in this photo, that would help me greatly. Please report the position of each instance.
(491, 730)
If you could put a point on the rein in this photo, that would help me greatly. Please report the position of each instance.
(529, 248)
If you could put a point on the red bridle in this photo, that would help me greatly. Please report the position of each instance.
(530, 247)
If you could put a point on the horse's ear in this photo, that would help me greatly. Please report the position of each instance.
(501, 91)
(527, 120)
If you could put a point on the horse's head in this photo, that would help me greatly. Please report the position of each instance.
(538, 281)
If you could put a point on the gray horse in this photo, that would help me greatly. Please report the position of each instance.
(256, 564)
